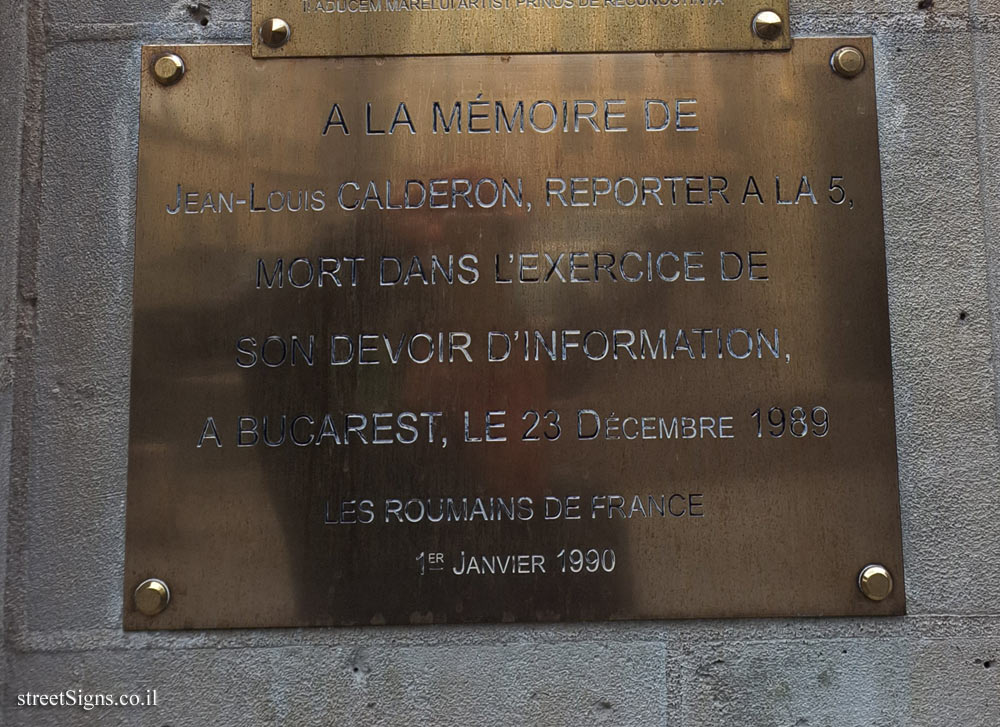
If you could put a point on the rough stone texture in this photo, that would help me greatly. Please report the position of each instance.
(172, 13)
(14, 63)
(937, 265)
(836, 682)
(464, 683)
(67, 188)
(988, 93)
(80, 377)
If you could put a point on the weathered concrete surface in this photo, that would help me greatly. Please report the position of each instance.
(938, 79)
(175, 14)
(897, 683)
(465, 683)
(988, 95)
(15, 72)
(941, 329)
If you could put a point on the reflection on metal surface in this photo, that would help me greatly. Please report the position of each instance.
(274, 32)
(151, 597)
(168, 69)
(875, 582)
(848, 61)
(767, 24)
(529, 338)
(433, 27)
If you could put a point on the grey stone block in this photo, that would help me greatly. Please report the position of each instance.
(909, 682)
(941, 330)
(938, 88)
(75, 506)
(987, 69)
(461, 684)
(13, 61)
(179, 12)
(927, 12)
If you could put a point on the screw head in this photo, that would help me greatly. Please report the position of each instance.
(847, 61)
(275, 32)
(168, 69)
(875, 582)
(151, 597)
(767, 25)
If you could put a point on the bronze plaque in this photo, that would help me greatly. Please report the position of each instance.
(434, 27)
(529, 338)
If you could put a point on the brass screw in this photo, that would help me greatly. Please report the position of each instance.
(151, 597)
(875, 582)
(767, 25)
(168, 69)
(275, 32)
(847, 61)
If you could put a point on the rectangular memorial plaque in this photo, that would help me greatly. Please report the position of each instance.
(433, 27)
(460, 339)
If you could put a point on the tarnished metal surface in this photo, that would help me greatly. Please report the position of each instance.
(674, 365)
(432, 27)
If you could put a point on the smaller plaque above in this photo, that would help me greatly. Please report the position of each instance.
(295, 28)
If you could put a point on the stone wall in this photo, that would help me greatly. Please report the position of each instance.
(68, 135)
